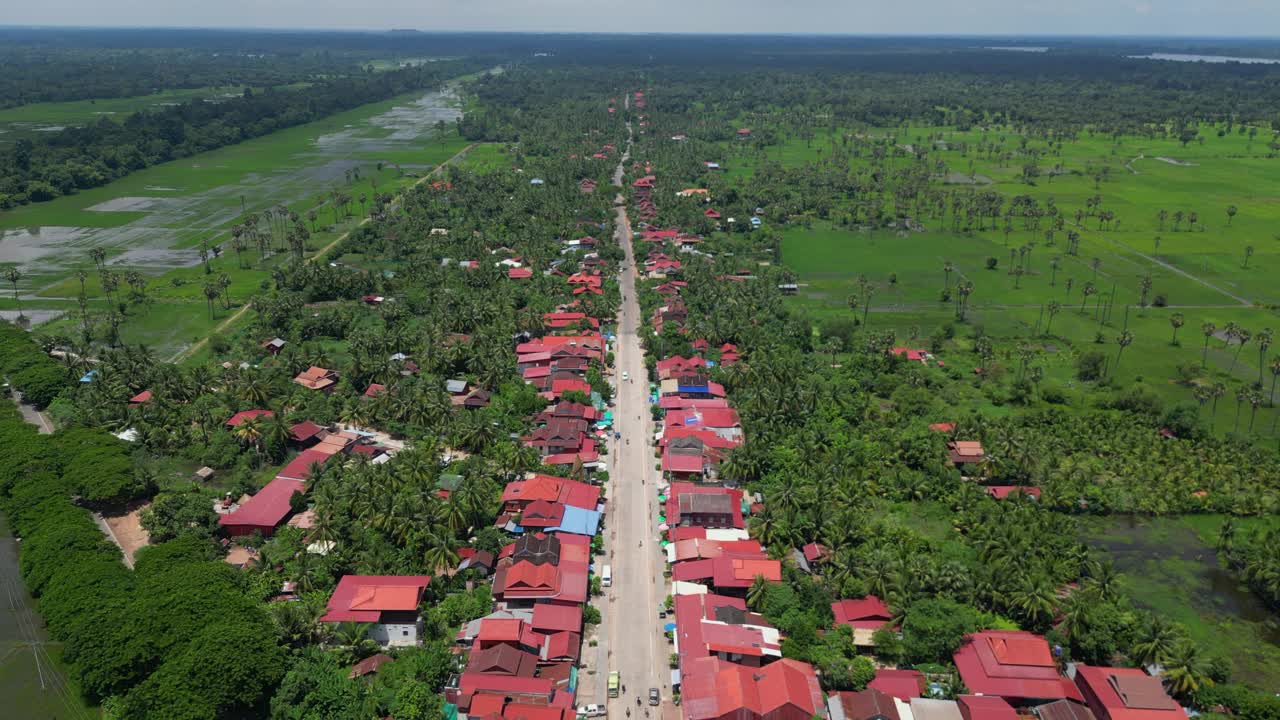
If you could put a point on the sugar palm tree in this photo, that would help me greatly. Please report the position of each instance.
(1207, 329)
(1176, 320)
(13, 275)
(1264, 340)
(1053, 309)
(1124, 340)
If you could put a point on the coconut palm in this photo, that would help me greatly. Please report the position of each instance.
(1185, 671)
(1155, 642)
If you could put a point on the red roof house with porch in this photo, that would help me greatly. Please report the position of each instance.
(1012, 664)
(389, 602)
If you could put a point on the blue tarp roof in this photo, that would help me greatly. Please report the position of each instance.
(693, 388)
(578, 521)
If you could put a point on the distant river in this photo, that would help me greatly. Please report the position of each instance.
(1180, 57)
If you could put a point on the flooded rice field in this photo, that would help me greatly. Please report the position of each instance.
(173, 220)
(1169, 569)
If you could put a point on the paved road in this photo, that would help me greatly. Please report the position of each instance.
(638, 650)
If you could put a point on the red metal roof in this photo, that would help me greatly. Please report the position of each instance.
(300, 467)
(902, 684)
(561, 646)
(1000, 492)
(681, 463)
(1125, 694)
(141, 397)
(243, 415)
(1012, 664)
(868, 613)
(305, 430)
(680, 488)
(713, 688)
(363, 598)
(557, 618)
(985, 707)
(505, 630)
(265, 510)
(732, 572)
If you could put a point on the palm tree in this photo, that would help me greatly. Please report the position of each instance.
(1242, 394)
(1104, 580)
(1155, 642)
(1254, 398)
(211, 292)
(1248, 254)
(249, 432)
(1054, 264)
(1207, 329)
(1231, 214)
(1185, 671)
(441, 553)
(947, 269)
(1274, 368)
(755, 594)
(1176, 320)
(1216, 392)
(1035, 598)
(13, 275)
(1243, 336)
(1124, 340)
(1264, 339)
(1053, 309)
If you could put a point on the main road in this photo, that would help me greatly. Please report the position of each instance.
(637, 648)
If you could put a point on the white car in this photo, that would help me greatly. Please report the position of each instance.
(590, 711)
(625, 376)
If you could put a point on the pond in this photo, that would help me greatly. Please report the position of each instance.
(1167, 568)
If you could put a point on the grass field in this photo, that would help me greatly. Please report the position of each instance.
(1199, 274)
(171, 208)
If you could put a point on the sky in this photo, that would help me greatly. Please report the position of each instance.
(1224, 18)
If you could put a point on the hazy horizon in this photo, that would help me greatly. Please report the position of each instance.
(978, 18)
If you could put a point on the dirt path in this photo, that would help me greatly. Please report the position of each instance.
(1175, 269)
(235, 317)
(32, 415)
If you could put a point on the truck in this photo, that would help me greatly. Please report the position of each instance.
(614, 682)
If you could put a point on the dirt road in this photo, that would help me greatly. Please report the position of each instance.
(235, 317)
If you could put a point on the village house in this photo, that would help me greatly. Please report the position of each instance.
(965, 454)
(1115, 693)
(1012, 664)
(389, 603)
(864, 616)
(317, 378)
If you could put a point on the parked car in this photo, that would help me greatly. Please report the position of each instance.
(654, 696)
(590, 711)
(662, 611)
